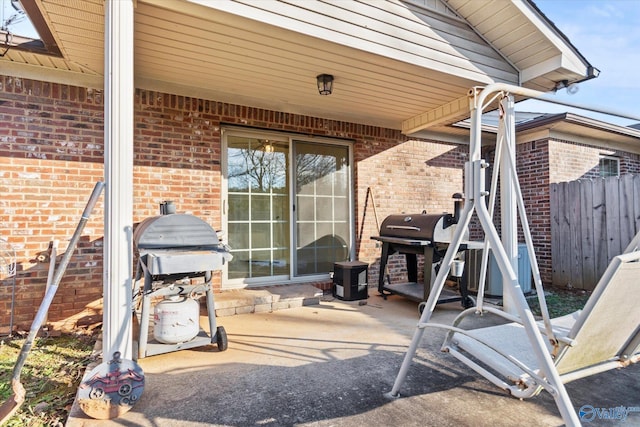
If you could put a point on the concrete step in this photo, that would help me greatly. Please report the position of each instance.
(265, 299)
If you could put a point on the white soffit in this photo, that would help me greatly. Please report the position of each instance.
(525, 36)
(586, 130)
(391, 59)
(399, 64)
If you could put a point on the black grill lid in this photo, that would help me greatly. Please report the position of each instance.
(434, 228)
(174, 231)
(411, 226)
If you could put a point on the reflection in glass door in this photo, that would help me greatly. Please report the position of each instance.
(322, 208)
(258, 207)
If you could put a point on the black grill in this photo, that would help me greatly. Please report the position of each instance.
(418, 234)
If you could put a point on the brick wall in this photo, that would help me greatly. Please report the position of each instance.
(532, 160)
(406, 178)
(50, 158)
(571, 160)
(51, 154)
(629, 163)
(532, 164)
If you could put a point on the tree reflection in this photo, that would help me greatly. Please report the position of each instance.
(311, 167)
(256, 168)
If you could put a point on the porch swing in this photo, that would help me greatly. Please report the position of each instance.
(525, 356)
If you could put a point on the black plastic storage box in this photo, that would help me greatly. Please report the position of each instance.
(350, 280)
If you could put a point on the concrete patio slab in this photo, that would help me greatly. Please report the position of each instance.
(330, 364)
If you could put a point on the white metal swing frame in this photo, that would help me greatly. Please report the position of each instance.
(547, 376)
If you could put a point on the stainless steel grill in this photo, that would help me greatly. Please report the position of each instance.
(177, 254)
(419, 234)
(179, 243)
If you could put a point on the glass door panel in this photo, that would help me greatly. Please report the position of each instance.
(322, 206)
(258, 207)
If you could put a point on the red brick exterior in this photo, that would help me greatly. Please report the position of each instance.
(51, 155)
(406, 178)
(571, 160)
(532, 163)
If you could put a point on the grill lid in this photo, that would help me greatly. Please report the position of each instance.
(411, 226)
(434, 228)
(174, 231)
(179, 243)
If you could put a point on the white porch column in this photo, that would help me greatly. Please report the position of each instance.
(508, 207)
(118, 170)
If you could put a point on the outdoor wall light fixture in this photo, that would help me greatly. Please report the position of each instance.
(325, 84)
(572, 88)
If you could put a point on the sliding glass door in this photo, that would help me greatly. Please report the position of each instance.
(283, 193)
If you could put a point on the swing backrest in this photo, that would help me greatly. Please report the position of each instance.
(608, 328)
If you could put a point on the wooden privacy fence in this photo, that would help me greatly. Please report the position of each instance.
(591, 222)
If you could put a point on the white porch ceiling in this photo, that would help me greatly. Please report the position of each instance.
(393, 61)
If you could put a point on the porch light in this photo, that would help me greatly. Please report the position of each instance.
(325, 83)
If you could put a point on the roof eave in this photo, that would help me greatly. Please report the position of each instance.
(549, 120)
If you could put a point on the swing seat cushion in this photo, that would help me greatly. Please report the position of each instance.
(604, 335)
(495, 345)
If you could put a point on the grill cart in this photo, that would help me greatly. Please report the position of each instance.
(177, 255)
(428, 235)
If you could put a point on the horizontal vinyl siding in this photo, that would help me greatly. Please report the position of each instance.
(388, 28)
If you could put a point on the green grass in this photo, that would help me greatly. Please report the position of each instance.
(560, 301)
(51, 375)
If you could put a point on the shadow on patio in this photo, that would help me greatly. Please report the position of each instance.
(330, 364)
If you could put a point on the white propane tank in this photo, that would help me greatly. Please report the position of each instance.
(176, 319)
